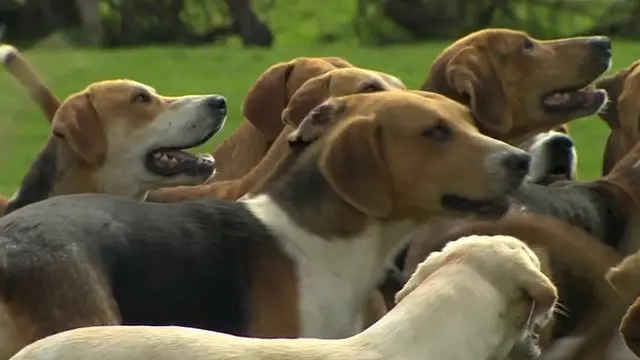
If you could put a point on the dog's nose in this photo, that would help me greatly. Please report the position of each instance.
(602, 43)
(517, 163)
(217, 103)
(562, 142)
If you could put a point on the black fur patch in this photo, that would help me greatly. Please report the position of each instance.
(187, 264)
(588, 206)
(38, 183)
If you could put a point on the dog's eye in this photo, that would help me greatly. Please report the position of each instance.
(528, 44)
(141, 97)
(439, 132)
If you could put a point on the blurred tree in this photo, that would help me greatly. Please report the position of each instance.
(91, 22)
(134, 22)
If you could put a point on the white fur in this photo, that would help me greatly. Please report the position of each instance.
(539, 149)
(5, 51)
(335, 275)
(456, 311)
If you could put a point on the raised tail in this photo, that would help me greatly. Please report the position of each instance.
(18, 66)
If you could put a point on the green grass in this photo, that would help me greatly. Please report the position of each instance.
(224, 70)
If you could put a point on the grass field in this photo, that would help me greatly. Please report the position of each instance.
(229, 71)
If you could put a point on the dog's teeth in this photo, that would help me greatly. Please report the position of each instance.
(157, 155)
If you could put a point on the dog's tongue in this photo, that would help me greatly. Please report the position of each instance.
(569, 99)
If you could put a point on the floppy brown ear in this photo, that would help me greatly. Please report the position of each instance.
(266, 99)
(269, 96)
(472, 75)
(353, 166)
(613, 85)
(310, 95)
(313, 125)
(77, 122)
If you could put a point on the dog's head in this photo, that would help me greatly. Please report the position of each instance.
(553, 157)
(510, 266)
(413, 155)
(506, 262)
(630, 327)
(270, 94)
(622, 113)
(305, 112)
(132, 139)
(519, 85)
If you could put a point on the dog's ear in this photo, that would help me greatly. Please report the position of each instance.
(625, 276)
(434, 261)
(613, 85)
(78, 124)
(473, 76)
(315, 124)
(539, 288)
(310, 95)
(352, 164)
(269, 96)
(264, 102)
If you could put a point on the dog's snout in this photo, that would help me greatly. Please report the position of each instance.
(217, 103)
(562, 142)
(601, 43)
(517, 163)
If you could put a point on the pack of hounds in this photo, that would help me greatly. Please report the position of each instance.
(347, 217)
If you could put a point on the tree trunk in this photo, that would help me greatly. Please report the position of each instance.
(91, 22)
(247, 24)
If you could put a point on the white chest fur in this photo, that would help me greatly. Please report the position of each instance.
(335, 276)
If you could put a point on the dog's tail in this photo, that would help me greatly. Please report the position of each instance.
(18, 66)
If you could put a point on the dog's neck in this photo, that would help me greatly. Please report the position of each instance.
(50, 174)
(587, 205)
(340, 253)
(453, 314)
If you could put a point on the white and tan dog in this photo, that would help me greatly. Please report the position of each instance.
(477, 299)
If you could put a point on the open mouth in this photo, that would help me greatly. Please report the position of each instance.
(577, 99)
(487, 207)
(174, 160)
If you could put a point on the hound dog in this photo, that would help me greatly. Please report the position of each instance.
(518, 86)
(621, 114)
(492, 283)
(300, 258)
(120, 137)
(334, 83)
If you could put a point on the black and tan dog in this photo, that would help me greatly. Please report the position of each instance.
(245, 267)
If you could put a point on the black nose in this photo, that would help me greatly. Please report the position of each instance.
(602, 43)
(217, 103)
(562, 142)
(517, 163)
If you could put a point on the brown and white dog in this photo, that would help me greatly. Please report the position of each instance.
(298, 260)
(518, 86)
(492, 283)
(120, 137)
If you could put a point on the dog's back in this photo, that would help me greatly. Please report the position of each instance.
(141, 253)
